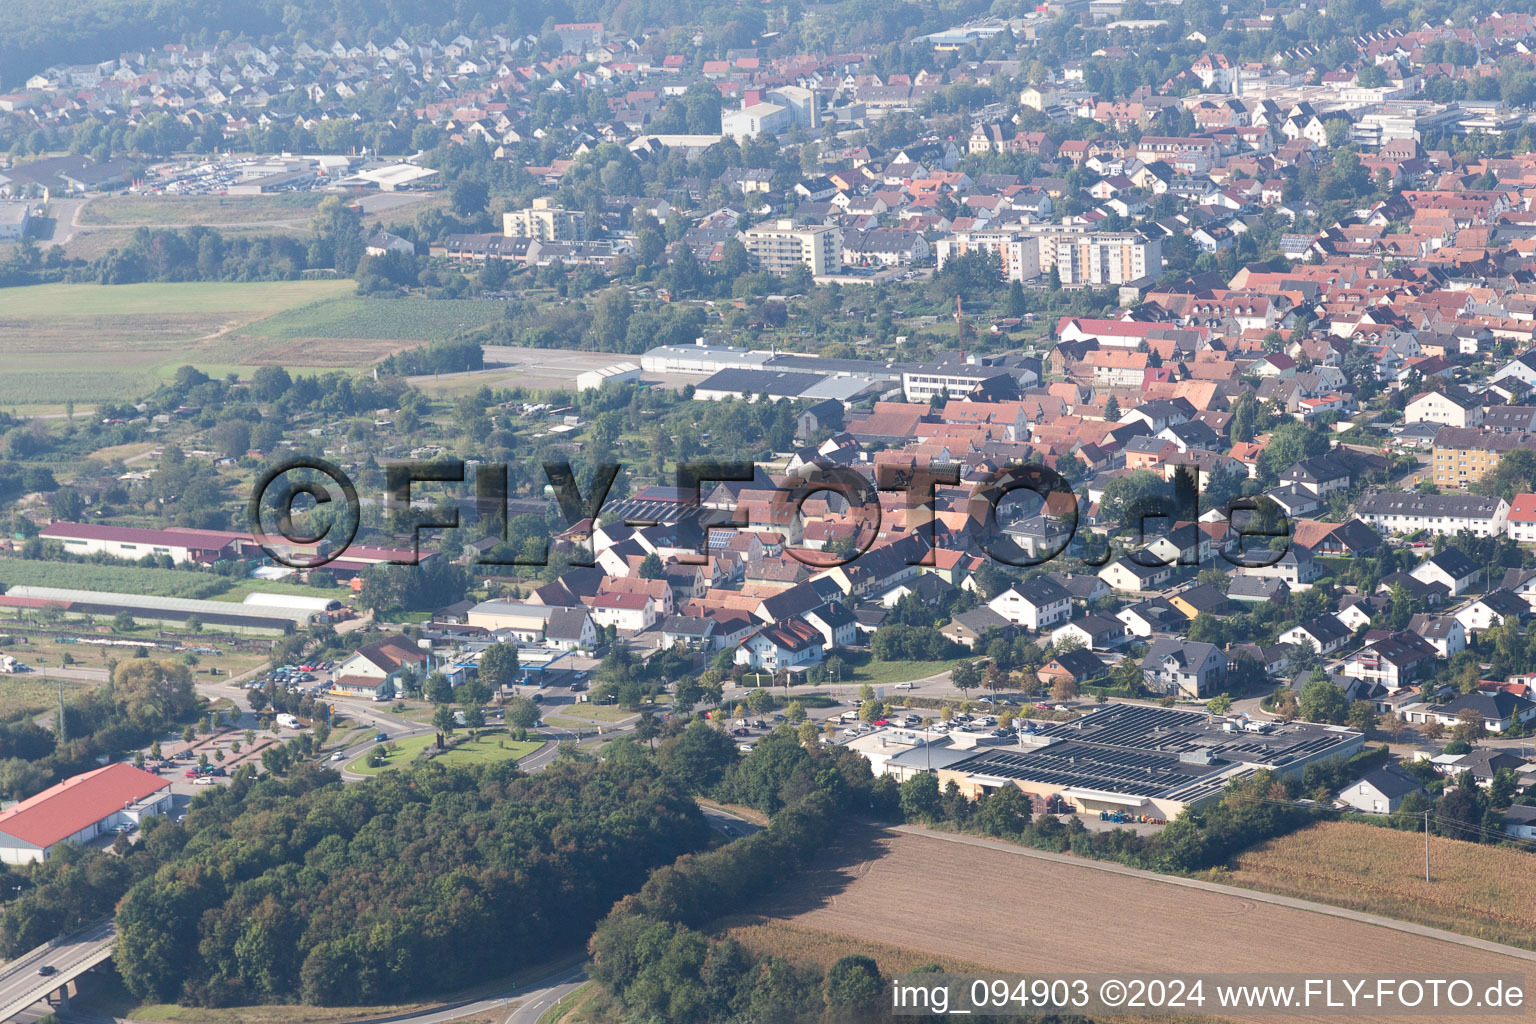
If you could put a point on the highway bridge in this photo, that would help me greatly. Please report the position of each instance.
(51, 967)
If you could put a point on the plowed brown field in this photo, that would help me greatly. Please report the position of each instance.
(1019, 913)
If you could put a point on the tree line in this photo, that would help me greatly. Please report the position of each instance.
(308, 891)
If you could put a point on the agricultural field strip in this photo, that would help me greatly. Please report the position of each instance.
(1227, 890)
(877, 884)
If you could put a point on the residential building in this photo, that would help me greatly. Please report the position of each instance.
(1450, 568)
(1079, 666)
(1453, 407)
(1393, 661)
(1035, 604)
(1018, 253)
(781, 246)
(544, 221)
(1128, 575)
(1325, 635)
(1463, 455)
(378, 670)
(1498, 710)
(1444, 514)
(1381, 791)
(786, 644)
(1107, 258)
(1184, 668)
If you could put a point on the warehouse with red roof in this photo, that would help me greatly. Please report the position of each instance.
(79, 809)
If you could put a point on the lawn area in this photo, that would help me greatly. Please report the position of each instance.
(877, 673)
(158, 211)
(404, 751)
(91, 343)
(488, 748)
(598, 712)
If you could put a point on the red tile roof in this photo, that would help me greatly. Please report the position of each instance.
(1523, 509)
(76, 804)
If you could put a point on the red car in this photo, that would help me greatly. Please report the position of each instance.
(192, 773)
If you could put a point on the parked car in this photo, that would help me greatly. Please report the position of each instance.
(906, 686)
(204, 780)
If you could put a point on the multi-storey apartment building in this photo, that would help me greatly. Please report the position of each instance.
(1464, 454)
(781, 246)
(545, 221)
(1107, 258)
(1019, 253)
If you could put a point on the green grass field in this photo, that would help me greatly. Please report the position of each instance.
(878, 673)
(400, 319)
(262, 298)
(91, 343)
(16, 572)
(487, 749)
(405, 750)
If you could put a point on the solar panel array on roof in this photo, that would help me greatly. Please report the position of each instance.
(1151, 752)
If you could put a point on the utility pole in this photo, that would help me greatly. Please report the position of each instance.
(1426, 845)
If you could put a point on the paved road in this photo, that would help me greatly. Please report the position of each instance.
(21, 984)
(534, 1005)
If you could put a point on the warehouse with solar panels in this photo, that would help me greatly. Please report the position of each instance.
(1142, 760)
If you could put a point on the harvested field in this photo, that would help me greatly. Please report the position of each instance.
(417, 320)
(884, 886)
(1476, 890)
(323, 352)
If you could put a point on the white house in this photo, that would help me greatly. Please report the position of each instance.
(1491, 610)
(1036, 604)
(1126, 574)
(632, 612)
(782, 645)
(1453, 407)
(1324, 635)
(1450, 568)
(1381, 791)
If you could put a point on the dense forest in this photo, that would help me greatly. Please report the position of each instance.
(328, 894)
